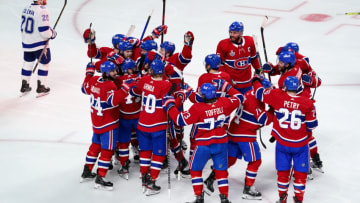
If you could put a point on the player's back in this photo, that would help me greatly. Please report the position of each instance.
(130, 106)
(244, 125)
(104, 116)
(152, 116)
(293, 115)
(211, 118)
(34, 20)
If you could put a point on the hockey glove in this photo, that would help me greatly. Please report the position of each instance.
(87, 36)
(188, 38)
(307, 80)
(267, 68)
(168, 102)
(90, 68)
(221, 85)
(115, 58)
(54, 34)
(135, 42)
(257, 78)
(161, 29)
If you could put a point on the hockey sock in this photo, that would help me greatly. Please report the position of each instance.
(104, 161)
(222, 181)
(299, 184)
(197, 182)
(231, 161)
(179, 131)
(43, 73)
(92, 155)
(123, 149)
(134, 140)
(26, 71)
(312, 145)
(283, 182)
(192, 147)
(145, 160)
(251, 172)
(156, 164)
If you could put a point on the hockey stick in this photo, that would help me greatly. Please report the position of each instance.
(258, 55)
(263, 40)
(348, 14)
(168, 128)
(130, 31)
(163, 20)
(91, 57)
(47, 41)
(142, 58)
(147, 22)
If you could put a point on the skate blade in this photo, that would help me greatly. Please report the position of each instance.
(249, 197)
(24, 94)
(310, 177)
(101, 187)
(124, 176)
(82, 180)
(319, 170)
(41, 94)
(150, 192)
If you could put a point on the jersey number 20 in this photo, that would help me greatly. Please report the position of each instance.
(29, 24)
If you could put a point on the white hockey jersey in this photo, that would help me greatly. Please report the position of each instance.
(35, 27)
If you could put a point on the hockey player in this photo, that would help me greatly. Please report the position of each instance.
(211, 139)
(151, 128)
(291, 63)
(242, 141)
(36, 31)
(238, 54)
(294, 115)
(104, 97)
(129, 117)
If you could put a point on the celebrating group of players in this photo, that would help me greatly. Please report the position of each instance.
(138, 99)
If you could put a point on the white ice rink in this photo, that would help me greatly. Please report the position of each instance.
(43, 141)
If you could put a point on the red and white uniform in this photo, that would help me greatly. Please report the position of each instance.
(248, 119)
(104, 102)
(152, 116)
(130, 106)
(293, 113)
(238, 59)
(208, 119)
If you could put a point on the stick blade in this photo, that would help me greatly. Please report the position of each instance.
(263, 24)
(130, 31)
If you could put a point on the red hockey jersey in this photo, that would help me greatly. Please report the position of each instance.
(131, 105)
(248, 119)
(237, 60)
(152, 116)
(104, 111)
(294, 115)
(208, 119)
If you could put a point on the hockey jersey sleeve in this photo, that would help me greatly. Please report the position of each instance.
(310, 118)
(85, 87)
(114, 97)
(181, 60)
(262, 94)
(184, 118)
(44, 24)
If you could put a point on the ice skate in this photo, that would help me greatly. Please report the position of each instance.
(102, 183)
(87, 175)
(316, 163)
(41, 90)
(296, 200)
(124, 171)
(184, 169)
(224, 199)
(310, 175)
(209, 184)
(151, 187)
(136, 154)
(198, 199)
(25, 88)
(250, 192)
(282, 198)
(144, 180)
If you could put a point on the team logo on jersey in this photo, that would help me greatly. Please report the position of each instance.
(232, 53)
(241, 63)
